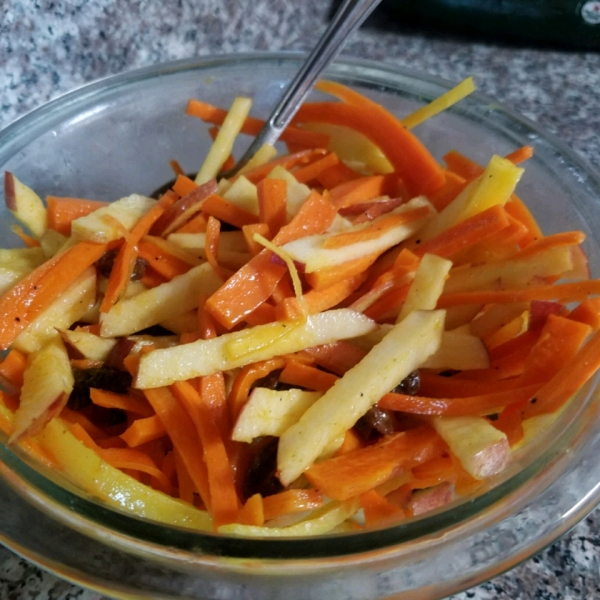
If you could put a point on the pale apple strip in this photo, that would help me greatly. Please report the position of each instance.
(90, 345)
(353, 148)
(86, 470)
(265, 153)
(160, 303)
(459, 351)
(47, 384)
(496, 317)
(482, 449)
(297, 192)
(67, 309)
(494, 186)
(229, 241)
(271, 412)
(309, 250)
(25, 205)
(169, 247)
(512, 273)
(16, 263)
(243, 193)
(53, 242)
(321, 521)
(406, 347)
(236, 349)
(427, 285)
(223, 144)
(126, 211)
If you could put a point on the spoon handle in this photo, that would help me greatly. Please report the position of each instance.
(347, 19)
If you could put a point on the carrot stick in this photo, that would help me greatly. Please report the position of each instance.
(288, 162)
(566, 238)
(438, 386)
(225, 508)
(578, 290)
(250, 230)
(336, 357)
(137, 406)
(374, 231)
(291, 501)
(516, 208)
(466, 233)
(184, 185)
(227, 211)
(378, 510)
(63, 211)
(323, 278)
(363, 189)
(456, 407)
(410, 159)
(184, 436)
(144, 430)
(461, 165)
(165, 264)
(196, 224)
(244, 381)
(567, 381)
(211, 246)
(454, 184)
(314, 169)
(559, 342)
(252, 126)
(12, 369)
(301, 375)
(337, 174)
(520, 155)
(252, 512)
(29, 241)
(357, 472)
(587, 312)
(30, 296)
(176, 167)
(272, 194)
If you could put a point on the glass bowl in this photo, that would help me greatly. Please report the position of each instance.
(115, 137)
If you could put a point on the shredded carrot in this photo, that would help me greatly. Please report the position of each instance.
(144, 430)
(289, 502)
(272, 195)
(61, 212)
(228, 212)
(165, 264)
(313, 170)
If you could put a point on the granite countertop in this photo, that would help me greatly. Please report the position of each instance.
(48, 47)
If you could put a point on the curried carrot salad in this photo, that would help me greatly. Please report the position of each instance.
(345, 334)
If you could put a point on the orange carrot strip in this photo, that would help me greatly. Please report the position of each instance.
(167, 265)
(291, 501)
(461, 165)
(249, 230)
(245, 379)
(363, 189)
(211, 246)
(183, 185)
(227, 211)
(183, 434)
(378, 510)
(120, 275)
(324, 278)
(252, 126)
(29, 241)
(454, 184)
(251, 285)
(567, 381)
(252, 512)
(409, 157)
(144, 430)
(220, 472)
(466, 233)
(520, 154)
(357, 472)
(298, 374)
(30, 296)
(176, 167)
(287, 162)
(63, 211)
(337, 174)
(587, 312)
(11, 371)
(438, 386)
(272, 195)
(516, 208)
(578, 290)
(565, 238)
(456, 407)
(131, 404)
(312, 171)
(559, 342)
(196, 224)
(374, 231)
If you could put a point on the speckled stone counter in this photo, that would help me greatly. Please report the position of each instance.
(48, 47)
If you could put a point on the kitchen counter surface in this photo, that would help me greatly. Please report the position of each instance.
(48, 47)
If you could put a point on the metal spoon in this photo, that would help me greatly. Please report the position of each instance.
(346, 21)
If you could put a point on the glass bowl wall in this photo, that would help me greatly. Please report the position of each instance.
(115, 137)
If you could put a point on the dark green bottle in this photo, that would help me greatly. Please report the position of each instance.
(574, 23)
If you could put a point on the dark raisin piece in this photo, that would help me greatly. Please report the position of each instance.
(261, 476)
(374, 424)
(410, 385)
